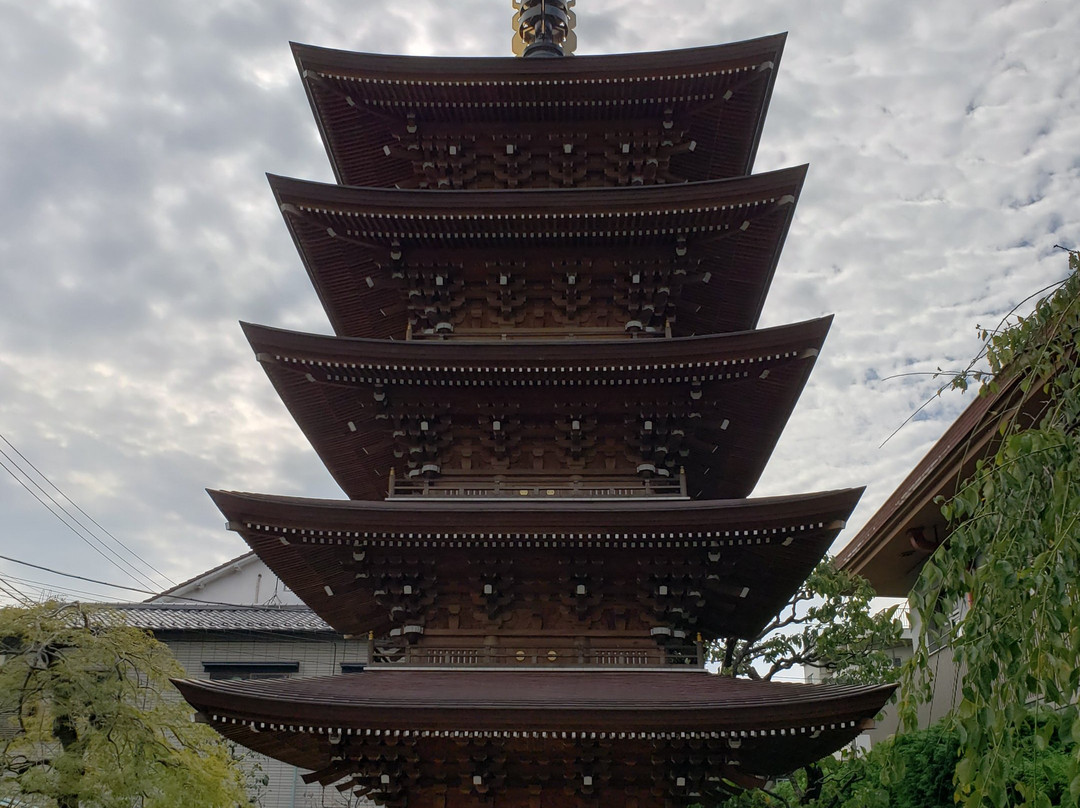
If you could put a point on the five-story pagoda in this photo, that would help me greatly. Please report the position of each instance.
(547, 403)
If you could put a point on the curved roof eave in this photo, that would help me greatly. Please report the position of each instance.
(606, 67)
(799, 341)
(523, 517)
(530, 203)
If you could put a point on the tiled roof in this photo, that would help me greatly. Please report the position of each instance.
(348, 698)
(779, 726)
(200, 617)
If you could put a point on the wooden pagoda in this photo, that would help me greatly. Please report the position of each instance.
(547, 403)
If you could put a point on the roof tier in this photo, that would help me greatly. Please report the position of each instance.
(698, 257)
(714, 406)
(671, 116)
(722, 568)
(391, 732)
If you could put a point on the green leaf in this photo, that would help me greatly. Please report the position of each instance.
(1011, 562)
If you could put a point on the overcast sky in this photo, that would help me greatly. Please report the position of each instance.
(136, 229)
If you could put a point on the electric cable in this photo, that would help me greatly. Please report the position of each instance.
(79, 577)
(93, 521)
(13, 592)
(62, 513)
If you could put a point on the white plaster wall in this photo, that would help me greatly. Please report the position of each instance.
(317, 656)
(246, 581)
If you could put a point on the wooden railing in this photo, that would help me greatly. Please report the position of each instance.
(395, 652)
(558, 333)
(539, 485)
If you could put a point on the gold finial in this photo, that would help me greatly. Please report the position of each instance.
(544, 28)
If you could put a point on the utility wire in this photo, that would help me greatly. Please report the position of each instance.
(132, 588)
(256, 633)
(78, 577)
(88, 538)
(12, 591)
(47, 591)
(93, 521)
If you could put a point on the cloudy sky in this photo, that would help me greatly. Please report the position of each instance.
(136, 228)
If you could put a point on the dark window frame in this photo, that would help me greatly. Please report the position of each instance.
(250, 670)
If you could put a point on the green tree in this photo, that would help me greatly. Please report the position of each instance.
(1013, 557)
(914, 770)
(829, 625)
(92, 720)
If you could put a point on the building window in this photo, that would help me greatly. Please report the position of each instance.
(250, 670)
(352, 667)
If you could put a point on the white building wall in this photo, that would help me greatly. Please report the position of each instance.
(247, 581)
(316, 655)
(243, 581)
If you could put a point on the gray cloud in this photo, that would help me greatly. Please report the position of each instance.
(138, 228)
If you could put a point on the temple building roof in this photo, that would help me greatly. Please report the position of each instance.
(776, 727)
(714, 406)
(891, 548)
(730, 565)
(743, 521)
(546, 403)
(689, 114)
(704, 253)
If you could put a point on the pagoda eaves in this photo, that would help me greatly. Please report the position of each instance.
(547, 404)
(719, 568)
(448, 738)
(369, 406)
(670, 116)
(697, 257)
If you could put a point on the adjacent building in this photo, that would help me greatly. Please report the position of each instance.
(238, 622)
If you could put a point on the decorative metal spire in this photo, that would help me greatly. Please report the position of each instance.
(544, 28)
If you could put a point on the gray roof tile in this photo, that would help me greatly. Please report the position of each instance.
(184, 617)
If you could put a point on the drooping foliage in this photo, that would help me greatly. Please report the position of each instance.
(1012, 562)
(90, 718)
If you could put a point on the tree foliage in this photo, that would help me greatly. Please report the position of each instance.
(90, 718)
(828, 625)
(915, 770)
(1013, 556)
(909, 771)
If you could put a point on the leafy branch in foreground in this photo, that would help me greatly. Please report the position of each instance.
(827, 625)
(1013, 560)
(92, 719)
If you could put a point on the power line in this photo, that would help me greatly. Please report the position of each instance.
(93, 521)
(12, 591)
(264, 633)
(85, 535)
(78, 577)
(46, 591)
(131, 588)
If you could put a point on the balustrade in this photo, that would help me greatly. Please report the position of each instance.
(520, 484)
